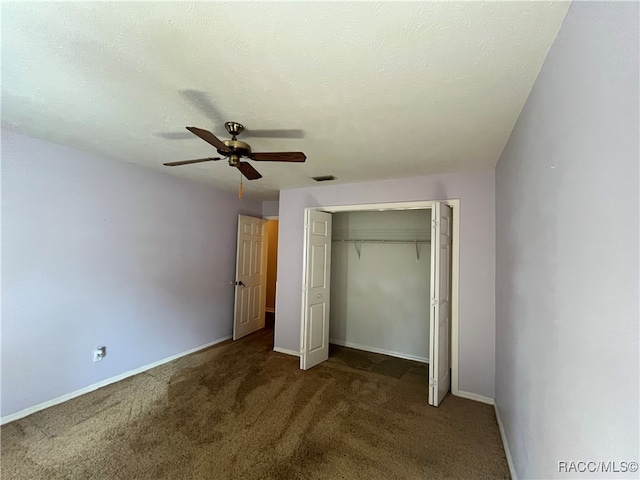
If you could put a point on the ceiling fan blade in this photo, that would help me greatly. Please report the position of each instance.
(209, 137)
(273, 133)
(186, 162)
(248, 171)
(278, 157)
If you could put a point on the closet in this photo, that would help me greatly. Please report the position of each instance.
(380, 282)
(383, 278)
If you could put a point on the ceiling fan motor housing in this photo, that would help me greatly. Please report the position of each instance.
(237, 148)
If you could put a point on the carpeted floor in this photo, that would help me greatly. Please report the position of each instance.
(240, 410)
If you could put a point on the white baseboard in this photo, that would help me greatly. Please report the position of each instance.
(378, 350)
(104, 383)
(505, 444)
(475, 396)
(286, 351)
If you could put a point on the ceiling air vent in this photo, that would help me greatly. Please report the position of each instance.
(324, 178)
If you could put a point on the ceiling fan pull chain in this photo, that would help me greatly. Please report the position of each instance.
(240, 189)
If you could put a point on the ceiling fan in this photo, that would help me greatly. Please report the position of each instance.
(234, 150)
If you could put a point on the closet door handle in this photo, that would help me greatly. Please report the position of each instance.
(240, 283)
(319, 295)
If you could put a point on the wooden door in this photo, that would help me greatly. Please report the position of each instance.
(250, 283)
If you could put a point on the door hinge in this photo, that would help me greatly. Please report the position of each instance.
(433, 382)
(434, 223)
(434, 302)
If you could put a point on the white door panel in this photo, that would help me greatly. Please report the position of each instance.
(317, 327)
(314, 339)
(439, 341)
(249, 309)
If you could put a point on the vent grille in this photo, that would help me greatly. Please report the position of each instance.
(324, 178)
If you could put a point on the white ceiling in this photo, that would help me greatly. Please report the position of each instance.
(379, 90)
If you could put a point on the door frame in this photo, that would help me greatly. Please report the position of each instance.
(454, 203)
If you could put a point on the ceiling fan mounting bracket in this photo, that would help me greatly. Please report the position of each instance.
(234, 128)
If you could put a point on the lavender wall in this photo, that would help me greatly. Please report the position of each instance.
(270, 208)
(98, 252)
(567, 253)
(477, 258)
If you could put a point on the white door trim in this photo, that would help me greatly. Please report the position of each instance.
(455, 263)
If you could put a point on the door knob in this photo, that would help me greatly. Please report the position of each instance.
(319, 295)
(240, 283)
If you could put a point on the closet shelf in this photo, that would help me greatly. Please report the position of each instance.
(382, 233)
(378, 241)
(358, 243)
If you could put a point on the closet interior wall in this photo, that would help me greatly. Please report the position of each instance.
(380, 279)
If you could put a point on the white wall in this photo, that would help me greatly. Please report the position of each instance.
(98, 252)
(567, 253)
(477, 258)
(380, 300)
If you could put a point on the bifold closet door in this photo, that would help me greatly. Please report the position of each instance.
(314, 341)
(440, 324)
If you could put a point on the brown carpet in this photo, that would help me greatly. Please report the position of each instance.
(240, 410)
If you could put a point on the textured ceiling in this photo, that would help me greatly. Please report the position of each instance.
(370, 90)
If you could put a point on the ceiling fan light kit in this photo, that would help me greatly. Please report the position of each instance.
(234, 150)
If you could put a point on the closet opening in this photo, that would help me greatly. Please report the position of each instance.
(383, 279)
(380, 271)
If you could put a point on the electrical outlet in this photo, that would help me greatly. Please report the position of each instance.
(99, 353)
